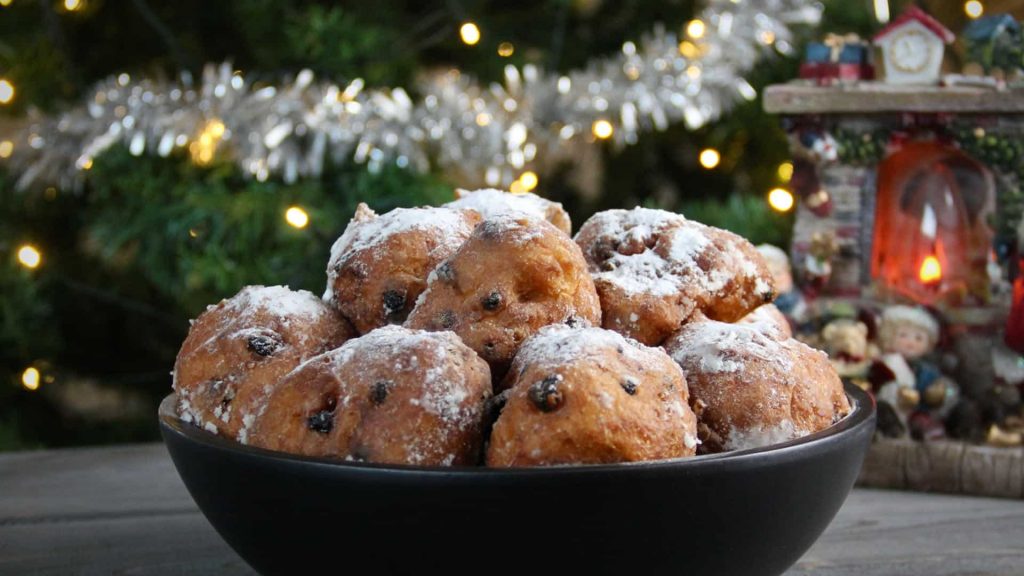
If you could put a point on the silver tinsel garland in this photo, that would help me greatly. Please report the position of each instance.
(480, 134)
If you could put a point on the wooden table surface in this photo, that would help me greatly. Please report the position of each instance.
(123, 510)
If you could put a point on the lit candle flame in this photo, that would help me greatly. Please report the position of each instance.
(931, 270)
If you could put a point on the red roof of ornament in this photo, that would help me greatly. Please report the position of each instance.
(915, 13)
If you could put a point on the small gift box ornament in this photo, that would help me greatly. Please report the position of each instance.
(838, 58)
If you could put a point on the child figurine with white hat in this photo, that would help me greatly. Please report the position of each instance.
(921, 396)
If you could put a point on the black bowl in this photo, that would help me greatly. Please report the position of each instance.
(746, 513)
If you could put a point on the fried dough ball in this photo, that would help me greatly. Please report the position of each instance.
(515, 275)
(589, 396)
(752, 388)
(490, 202)
(379, 266)
(653, 269)
(769, 317)
(393, 396)
(239, 349)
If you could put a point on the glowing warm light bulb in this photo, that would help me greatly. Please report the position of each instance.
(931, 270)
(30, 379)
(780, 199)
(528, 180)
(603, 129)
(710, 158)
(72, 5)
(974, 8)
(882, 11)
(688, 49)
(785, 171)
(506, 49)
(483, 119)
(204, 147)
(29, 256)
(517, 187)
(696, 29)
(296, 217)
(469, 33)
(6, 148)
(6, 91)
(5, 3)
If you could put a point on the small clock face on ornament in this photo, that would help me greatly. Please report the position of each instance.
(910, 51)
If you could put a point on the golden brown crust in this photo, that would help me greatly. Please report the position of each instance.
(490, 202)
(589, 396)
(379, 266)
(239, 349)
(393, 396)
(653, 269)
(752, 387)
(514, 275)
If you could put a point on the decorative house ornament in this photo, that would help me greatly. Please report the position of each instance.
(912, 47)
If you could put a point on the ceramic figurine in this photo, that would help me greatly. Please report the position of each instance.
(912, 47)
(789, 300)
(904, 379)
(846, 342)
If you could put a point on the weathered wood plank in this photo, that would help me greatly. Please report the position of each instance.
(124, 510)
(875, 97)
(944, 466)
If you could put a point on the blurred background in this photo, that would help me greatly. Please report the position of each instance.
(99, 275)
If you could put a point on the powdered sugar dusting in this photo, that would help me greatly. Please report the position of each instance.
(759, 436)
(278, 300)
(646, 272)
(717, 347)
(645, 251)
(491, 202)
(558, 344)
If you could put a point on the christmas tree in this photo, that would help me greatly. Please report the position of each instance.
(106, 256)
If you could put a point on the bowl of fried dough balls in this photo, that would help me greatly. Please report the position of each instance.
(479, 392)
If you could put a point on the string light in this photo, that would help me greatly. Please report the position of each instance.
(528, 180)
(780, 199)
(517, 187)
(72, 5)
(974, 9)
(469, 33)
(6, 148)
(710, 158)
(296, 217)
(786, 171)
(483, 119)
(6, 91)
(29, 256)
(204, 147)
(689, 49)
(506, 49)
(767, 37)
(696, 29)
(602, 129)
(5, 3)
(30, 379)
